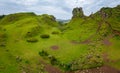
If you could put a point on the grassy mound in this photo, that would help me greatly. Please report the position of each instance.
(12, 18)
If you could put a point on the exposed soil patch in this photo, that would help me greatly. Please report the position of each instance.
(50, 69)
(55, 47)
(86, 42)
(107, 42)
(103, 69)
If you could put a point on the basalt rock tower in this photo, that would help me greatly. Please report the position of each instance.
(78, 12)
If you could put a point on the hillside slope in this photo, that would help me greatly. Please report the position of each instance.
(99, 28)
(31, 43)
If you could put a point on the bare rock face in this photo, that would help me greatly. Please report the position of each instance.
(105, 12)
(77, 12)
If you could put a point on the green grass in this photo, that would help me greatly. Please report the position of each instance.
(113, 52)
(23, 40)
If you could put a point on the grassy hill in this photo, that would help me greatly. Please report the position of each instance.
(99, 28)
(31, 43)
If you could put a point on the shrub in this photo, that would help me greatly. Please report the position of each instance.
(55, 32)
(43, 53)
(117, 37)
(32, 40)
(27, 61)
(67, 67)
(45, 36)
(53, 60)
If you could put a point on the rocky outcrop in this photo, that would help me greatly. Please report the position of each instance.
(77, 12)
(105, 12)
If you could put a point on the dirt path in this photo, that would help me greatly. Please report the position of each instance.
(49, 68)
(103, 69)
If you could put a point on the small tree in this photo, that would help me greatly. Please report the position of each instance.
(53, 60)
(45, 36)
